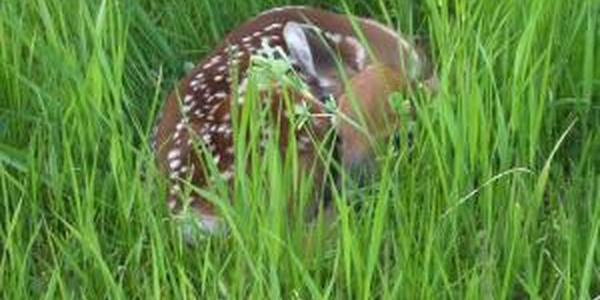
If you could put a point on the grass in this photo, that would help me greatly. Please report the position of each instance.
(498, 198)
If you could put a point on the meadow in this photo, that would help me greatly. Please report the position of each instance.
(497, 196)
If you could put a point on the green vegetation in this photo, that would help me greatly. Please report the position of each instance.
(498, 198)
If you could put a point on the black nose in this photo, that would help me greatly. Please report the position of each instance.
(362, 172)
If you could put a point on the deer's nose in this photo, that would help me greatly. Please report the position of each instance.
(361, 170)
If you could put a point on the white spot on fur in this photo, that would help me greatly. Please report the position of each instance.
(171, 204)
(214, 109)
(227, 175)
(175, 153)
(233, 47)
(239, 54)
(222, 127)
(220, 95)
(174, 164)
(207, 138)
(207, 66)
(273, 26)
(174, 175)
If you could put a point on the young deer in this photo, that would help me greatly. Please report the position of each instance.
(323, 49)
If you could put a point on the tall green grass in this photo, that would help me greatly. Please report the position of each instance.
(498, 197)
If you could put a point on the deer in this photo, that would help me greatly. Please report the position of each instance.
(355, 61)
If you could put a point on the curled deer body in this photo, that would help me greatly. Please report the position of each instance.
(325, 50)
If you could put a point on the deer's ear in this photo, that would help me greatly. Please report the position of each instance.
(322, 55)
(353, 54)
(310, 50)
